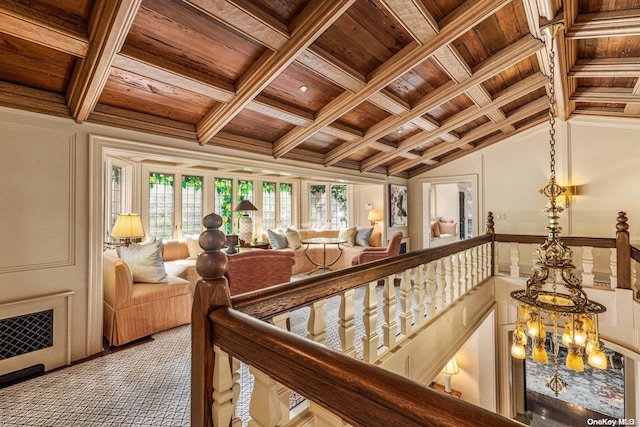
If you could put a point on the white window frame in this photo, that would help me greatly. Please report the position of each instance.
(306, 200)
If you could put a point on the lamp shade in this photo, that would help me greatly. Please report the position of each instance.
(374, 215)
(245, 205)
(128, 226)
(451, 368)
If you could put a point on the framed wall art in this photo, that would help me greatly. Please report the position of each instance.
(398, 206)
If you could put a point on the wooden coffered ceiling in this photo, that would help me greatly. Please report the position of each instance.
(392, 86)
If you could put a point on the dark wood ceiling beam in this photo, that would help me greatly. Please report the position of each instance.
(508, 95)
(606, 67)
(612, 95)
(110, 23)
(486, 129)
(454, 25)
(484, 144)
(620, 23)
(307, 26)
(509, 56)
(27, 24)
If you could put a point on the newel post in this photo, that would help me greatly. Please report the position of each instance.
(211, 291)
(623, 252)
(492, 231)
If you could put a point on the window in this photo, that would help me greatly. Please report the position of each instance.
(222, 202)
(268, 205)
(328, 209)
(286, 205)
(116, 194)
(191, 204)
(277, 205)
(161, 205)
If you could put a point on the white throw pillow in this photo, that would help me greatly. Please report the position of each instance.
(193, 245)
(145, 261)
(348, 234)
(293, 238)
(277, 238)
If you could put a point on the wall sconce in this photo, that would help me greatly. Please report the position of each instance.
(126, 228)
(374, 216)
(450, 369)
(568, 195)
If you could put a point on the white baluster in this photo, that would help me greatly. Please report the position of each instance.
(475, 267)
(264, 407)
(317, 323)
(587, 265)
(486, 258)
(469, 270)
(389, 325)
(633, 274)
(496, 258)
(280, 320)
(614, 268)
(222, 409)
(370, 319)
(347, 323)
(440, 284)
(448, 280)
(431, 289)
(284, 393)
(455, 262)
(405, 302)
(420, 286)
(514, 253)
(462, 277)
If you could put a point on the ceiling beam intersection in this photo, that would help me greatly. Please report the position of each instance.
(308, 26)
(110, 23)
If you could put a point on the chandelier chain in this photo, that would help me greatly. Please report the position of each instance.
(552, 111)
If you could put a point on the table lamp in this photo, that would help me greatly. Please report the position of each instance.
(245, 222)
(450, 369)
(126, 228)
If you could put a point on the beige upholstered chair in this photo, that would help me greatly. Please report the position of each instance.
(373, 254)
(135, 310)
(253, 270)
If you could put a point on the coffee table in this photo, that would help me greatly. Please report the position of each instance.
(324, 241)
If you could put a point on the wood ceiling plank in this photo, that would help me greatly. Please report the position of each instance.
(510, 94)
(26, 98)
(611, 95)
(312, 22)
(522, 113)
(606, 67)
(27, 25)
(509, 56)
(605, 24)
(459, 22)
(109, 28)
(138, 62)
(246, 19)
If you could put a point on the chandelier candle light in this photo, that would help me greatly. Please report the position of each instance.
(541, 302)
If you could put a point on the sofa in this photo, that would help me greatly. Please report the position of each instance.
(443, 231)
(179, 256)
(253, 270)
(345, 253)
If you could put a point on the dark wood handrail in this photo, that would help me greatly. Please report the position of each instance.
(278, 299)
(596, 242)
(635, 254)
(358, 392)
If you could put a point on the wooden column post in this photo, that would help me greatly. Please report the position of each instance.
(492, 231)
(211, 291)
(623, 252)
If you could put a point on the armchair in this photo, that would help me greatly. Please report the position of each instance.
(373, 254)
(253, 270)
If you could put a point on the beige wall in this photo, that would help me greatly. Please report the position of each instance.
(600, 155)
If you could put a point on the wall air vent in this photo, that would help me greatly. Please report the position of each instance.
(26, 333)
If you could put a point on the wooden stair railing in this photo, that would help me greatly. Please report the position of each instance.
(360, 393)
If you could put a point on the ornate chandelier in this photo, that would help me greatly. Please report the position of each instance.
(541, 302)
